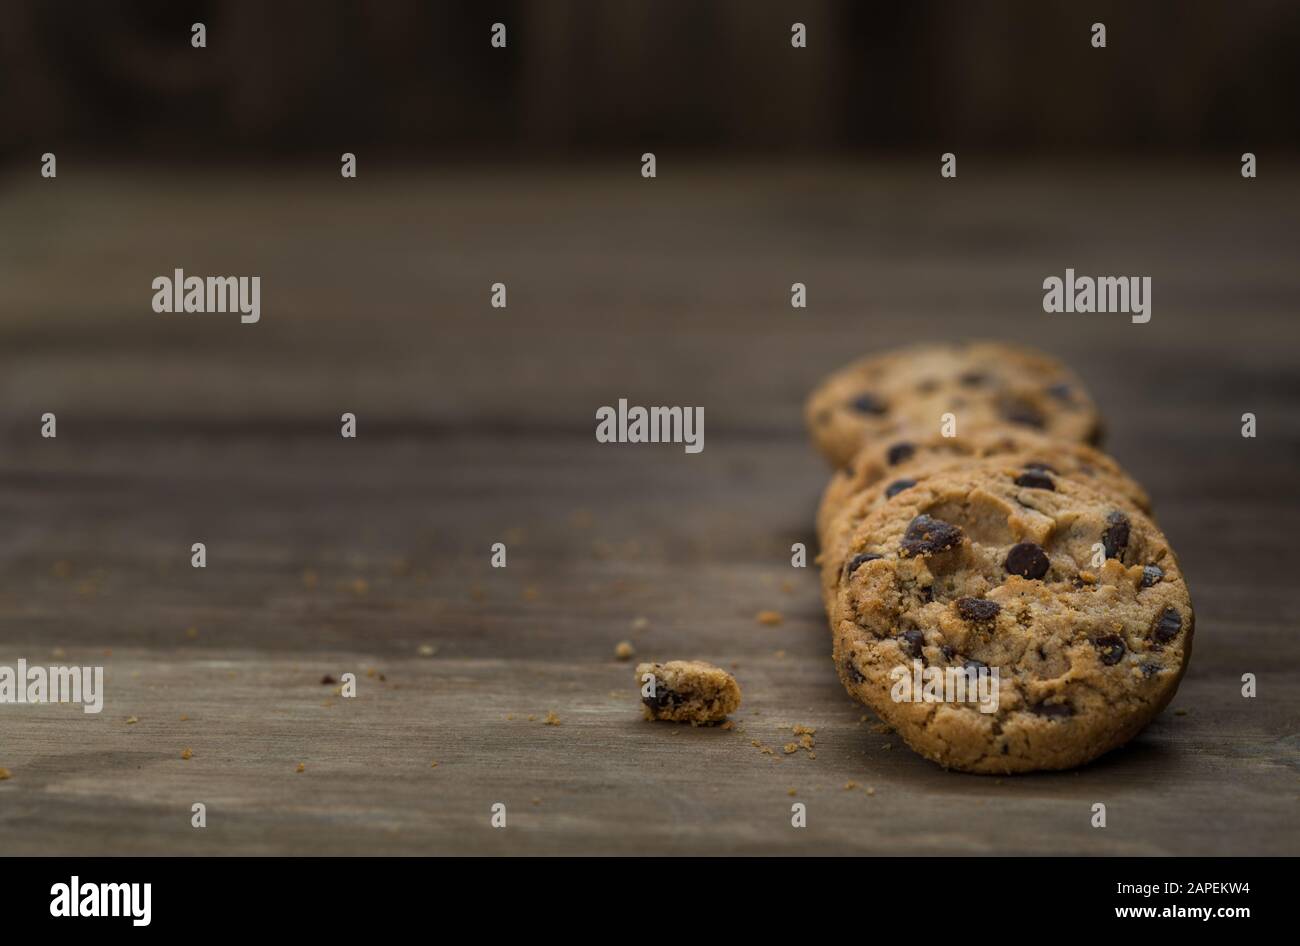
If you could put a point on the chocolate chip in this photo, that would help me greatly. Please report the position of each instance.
(326, 680)
(1035, 479)
(928, 386)
(663, 697)
(926, 536)
(1062, 392)
(1167, 626)
(914, 641)
(1039, 465)
(973, 664)
(1111, 648)
(900, 452)
(1023, 413)
(972, 379)
(977, 610)
(948, 652)
(1027, 560)
(896, 487)
(1151, 574)
(1115, 538)
(1151, 669)
(857, 560)
(868, 404)
(851, 669)
(1054, 710)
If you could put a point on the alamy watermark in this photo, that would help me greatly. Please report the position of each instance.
(1131, 294)
(970, 684)
(24, 684)
(635, 424)
(75, 899)
(181, 293)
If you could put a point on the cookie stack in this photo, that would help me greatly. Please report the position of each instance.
(973, 529)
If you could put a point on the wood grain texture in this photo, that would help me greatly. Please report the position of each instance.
(476, 427)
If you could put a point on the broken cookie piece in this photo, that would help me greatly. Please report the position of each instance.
(687, 691)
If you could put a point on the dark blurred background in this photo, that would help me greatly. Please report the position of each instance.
(420, 77)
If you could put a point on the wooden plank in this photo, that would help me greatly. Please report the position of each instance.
(476, 427)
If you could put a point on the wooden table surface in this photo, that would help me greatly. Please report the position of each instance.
(476, 425)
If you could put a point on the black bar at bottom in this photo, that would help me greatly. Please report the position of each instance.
(360, 895)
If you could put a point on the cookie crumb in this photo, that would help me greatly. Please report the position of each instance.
(5, 774)
(301, 767)
(327, 680)
(132, 720)
(640, 623)
(551, 719)
(433, 764)
(532, 718)
(871, 790)
(850, 786)
(426, 650)
(790, 748)
(185, 717)
(1180, 712)
(624, 650)
(769, 617)
(729, 724)
(187, 753)
(792, 793)
(687, 691)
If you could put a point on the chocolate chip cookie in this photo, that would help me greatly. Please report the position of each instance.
(687, 691)
(1072, 596)
(903, 395)
(881, 473)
